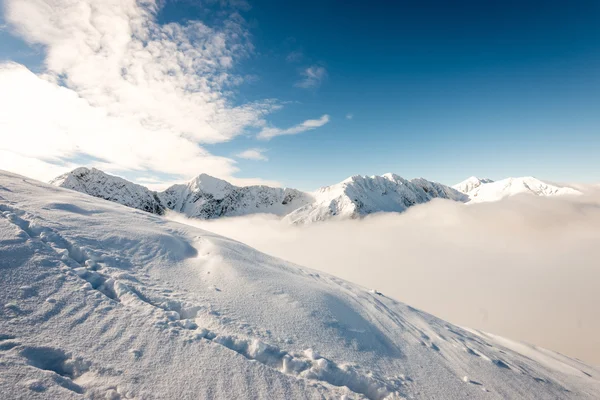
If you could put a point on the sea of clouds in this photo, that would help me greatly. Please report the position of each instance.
(526, 267)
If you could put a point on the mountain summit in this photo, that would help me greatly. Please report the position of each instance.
(471, 183)
(207, 197)
(359, 195)
(485, 190)
(108, 187)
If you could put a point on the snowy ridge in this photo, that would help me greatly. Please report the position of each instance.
(361, 195)
(102, 301)
(486, 190)
(207, 197)
(108, 187)
(203, 197)
(471, 183)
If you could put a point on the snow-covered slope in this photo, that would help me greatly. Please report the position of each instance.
(494, 191)
(361, 195)
(108, 187)
(471, 183)
(102, 301)
(207, 197)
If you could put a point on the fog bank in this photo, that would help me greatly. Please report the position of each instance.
(527, 267)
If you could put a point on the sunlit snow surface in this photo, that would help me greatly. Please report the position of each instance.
(486, 190)
(103, 301)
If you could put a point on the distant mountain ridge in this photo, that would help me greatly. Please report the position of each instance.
(486, 190)
(113, 188)
(359, 195)
(207, 197)
(471, 183)
(203, 197)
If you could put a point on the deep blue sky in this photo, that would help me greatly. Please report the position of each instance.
(438, 89)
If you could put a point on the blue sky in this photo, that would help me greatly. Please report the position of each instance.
(442, 90)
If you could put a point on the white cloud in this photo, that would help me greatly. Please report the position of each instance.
(313, 77)
(294, 56)
(123, 89)
(309, 124)
(349, 116)
(253, 154)
(514, 267)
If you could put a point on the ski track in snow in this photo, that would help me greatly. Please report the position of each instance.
(119, 308)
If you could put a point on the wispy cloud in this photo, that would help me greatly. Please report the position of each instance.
(349, 116)
(309, 124)
(294, 56)
(313, 77)
(253, 154)
(120, 87)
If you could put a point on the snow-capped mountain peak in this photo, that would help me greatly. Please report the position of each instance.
(97, 183)
(209, 184)
(203, 197)
(360, 195)
(471, 183)
(480, 191)
(207, 197)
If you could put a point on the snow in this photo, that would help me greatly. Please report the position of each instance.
(203, 197)
(105, 301)
(207, 197)
(113, 188)
(359, 195)
(471, 183)
(485, 190)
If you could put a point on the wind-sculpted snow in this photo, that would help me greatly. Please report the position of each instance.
(104, 301)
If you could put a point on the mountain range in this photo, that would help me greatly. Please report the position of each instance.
(485, 190)
(207, 197)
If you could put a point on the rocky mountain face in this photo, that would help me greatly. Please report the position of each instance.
(358, 196)
(207, 197)
(108, 187)
(203, 197)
